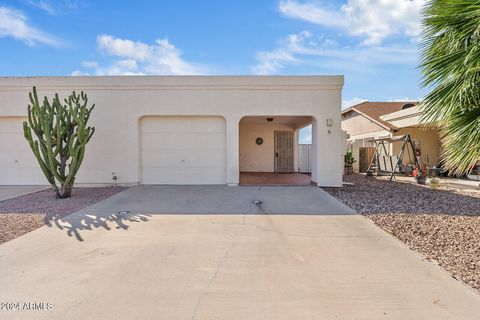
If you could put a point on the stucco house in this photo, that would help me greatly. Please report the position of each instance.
(372, 120)
(185, 129)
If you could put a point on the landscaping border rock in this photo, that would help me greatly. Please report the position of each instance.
(442, 224)
(26, 213)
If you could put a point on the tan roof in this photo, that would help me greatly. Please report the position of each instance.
(374, 110)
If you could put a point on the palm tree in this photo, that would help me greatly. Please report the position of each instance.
(450, 66)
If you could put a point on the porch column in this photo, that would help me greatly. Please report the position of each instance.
(296, 146)
(327, 154)
(232, 150)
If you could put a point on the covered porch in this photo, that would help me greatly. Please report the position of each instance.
(275, 150)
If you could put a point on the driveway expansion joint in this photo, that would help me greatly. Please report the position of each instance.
(220, 263)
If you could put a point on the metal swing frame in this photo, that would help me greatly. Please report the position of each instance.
(406, 141)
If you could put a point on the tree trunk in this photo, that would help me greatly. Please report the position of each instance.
(64, 191)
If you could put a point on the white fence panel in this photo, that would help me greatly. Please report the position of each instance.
(304, 155)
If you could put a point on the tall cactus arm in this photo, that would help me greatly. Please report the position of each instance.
(61, 133)
(34, 146)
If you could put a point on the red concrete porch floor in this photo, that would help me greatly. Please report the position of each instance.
(270, 178)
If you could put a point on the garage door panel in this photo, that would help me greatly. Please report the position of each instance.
(18, 175)
(179, 176)
(13, 141)
(184, 158)
(183, 150)
(215, 124)
(11, 125)
(183, 141)
(17, 158)
(18, 164)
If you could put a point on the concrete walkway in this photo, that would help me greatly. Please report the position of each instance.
(10, 192)
(144, 265)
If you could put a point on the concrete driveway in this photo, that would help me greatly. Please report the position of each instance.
(195, 265)
(9, 192)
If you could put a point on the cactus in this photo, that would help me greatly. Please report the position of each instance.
(61, 134)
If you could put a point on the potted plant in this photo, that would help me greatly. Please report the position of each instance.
(420, 174)
(349, 161)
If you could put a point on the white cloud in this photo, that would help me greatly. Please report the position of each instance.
(45, 6)
(54, 8)
(13, 23)
(123, 48)
(77, 73)
(374, 20)
(90, 64)
(138, 58)
(378, 19)
(351, 102)
(306, 49)
(270, 62)
(405, 99)
(313, 13)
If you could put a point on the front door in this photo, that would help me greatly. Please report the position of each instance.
(283, 151)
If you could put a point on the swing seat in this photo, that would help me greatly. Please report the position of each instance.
(383, 162)
(387, 163)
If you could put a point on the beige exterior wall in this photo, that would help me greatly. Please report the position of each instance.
(260, 158)
(357, 124)
(404, 118)
(123, 100)
(360, 130)
(362, 140)
(429, 144)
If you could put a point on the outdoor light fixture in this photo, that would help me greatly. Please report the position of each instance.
(114, 178)
(269, 119)
(329, 122)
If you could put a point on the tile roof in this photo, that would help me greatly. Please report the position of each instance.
(374, 110)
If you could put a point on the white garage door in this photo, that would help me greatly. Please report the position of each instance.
(183, 150)
(18, 165)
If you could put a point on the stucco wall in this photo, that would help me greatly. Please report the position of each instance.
(363, 140)
(260, 158)
(122, 101)
(429, 144)
(357, 124)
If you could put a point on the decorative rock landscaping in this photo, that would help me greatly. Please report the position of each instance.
(29, 212)
(442, 224)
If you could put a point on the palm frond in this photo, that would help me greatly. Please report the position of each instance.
(450, 67)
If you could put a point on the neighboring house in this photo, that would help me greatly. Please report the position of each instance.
(371, 120)
(185, 129)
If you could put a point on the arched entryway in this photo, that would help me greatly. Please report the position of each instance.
(274, 150)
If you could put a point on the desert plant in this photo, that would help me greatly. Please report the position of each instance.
(450, 65)
(61, 134)
(349, 160)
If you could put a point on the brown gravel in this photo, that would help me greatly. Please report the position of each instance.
(443, 225)
(29, 212)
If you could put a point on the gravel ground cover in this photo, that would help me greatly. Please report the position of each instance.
(29, 212)
(442, 224)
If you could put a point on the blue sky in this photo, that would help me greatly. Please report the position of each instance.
(372, 42)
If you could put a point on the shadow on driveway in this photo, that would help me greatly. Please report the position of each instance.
(137, 204)
(77, 222)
